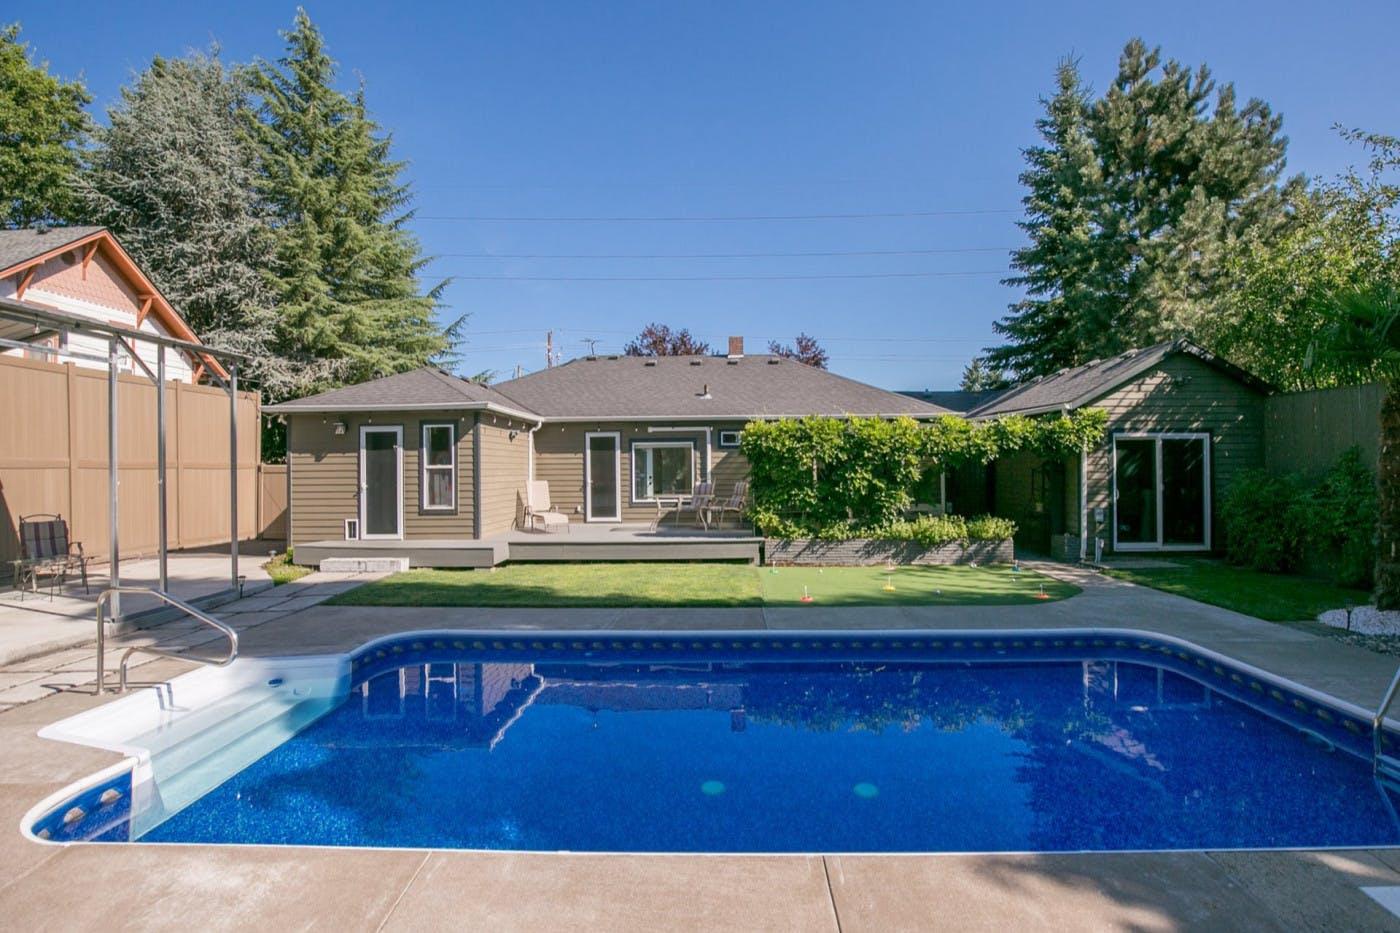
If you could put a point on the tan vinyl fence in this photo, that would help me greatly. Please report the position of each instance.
(272, 504)
(1305, 432)
(53, 458)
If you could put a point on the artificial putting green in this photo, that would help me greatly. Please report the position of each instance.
(654, 585)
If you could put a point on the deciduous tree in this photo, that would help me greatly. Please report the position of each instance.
(804, 349)
(661, 340)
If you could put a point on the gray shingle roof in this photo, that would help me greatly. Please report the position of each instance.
(1080, 385)
(424, 388)
(18, 245)
(760, 385)
(955, 400)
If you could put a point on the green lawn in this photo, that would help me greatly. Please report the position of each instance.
(1271, 596)
(687, 584)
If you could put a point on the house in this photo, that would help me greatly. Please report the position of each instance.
(431, 458)
(84, 273)
(1182, 425)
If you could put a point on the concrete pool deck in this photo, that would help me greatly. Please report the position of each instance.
(168, 887)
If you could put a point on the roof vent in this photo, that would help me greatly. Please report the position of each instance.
(696, 362)
(774, 360)
(705, 391)
(612, 356)
(732, 361)
(649, 363)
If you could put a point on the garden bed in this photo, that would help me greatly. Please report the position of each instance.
(867, 552)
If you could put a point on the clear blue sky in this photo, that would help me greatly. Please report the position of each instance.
(553, 110)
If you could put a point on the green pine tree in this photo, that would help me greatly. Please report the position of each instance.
(977, 376)
(346, 273)
(172, 174)
(1133, 205)
(42, 126)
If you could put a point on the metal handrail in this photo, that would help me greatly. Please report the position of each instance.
(1378, 721)
(186, 608)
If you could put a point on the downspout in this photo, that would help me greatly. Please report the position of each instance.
(530, 468)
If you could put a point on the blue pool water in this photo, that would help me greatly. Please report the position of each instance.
(1101, 747)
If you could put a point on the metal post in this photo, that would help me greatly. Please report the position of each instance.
(233, 467)
(114, 548)
(160, 466)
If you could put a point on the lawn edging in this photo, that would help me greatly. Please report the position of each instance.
(866, 552)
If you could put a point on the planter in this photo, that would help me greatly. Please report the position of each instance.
(864, 552)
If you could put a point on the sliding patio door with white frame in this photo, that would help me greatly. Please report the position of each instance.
(1161, 492)
(381, 482)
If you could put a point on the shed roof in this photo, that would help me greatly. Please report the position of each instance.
(1079, 385)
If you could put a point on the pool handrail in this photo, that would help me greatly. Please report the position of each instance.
(197, 614)
(1378, 721)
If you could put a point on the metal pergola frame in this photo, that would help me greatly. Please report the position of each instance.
(126, 339)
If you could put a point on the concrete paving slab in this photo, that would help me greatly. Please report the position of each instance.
(617, 893)
(209, 888)
(1313, 890)
(1161, 891)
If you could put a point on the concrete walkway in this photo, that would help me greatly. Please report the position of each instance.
(34, 624)
(157, 887)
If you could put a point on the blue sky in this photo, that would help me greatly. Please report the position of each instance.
(645, 110)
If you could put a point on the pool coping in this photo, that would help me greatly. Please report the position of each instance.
(136, 756)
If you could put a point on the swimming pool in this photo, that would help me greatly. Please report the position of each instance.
(838, 742)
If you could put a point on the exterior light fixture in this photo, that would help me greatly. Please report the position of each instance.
(340, 427)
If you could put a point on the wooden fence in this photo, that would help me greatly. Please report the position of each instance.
(1305, 432)
(53, 458)
(272, 502)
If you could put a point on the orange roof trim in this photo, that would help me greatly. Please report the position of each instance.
(154, 303)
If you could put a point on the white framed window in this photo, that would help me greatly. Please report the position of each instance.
(662, 468)
(438, 456)
(730, 438)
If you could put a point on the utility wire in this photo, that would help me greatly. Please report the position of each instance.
(796, 255)
(717, 278)
(707, 218)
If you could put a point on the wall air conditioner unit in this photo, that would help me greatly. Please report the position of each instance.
(352, 529)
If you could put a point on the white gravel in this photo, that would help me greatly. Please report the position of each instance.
(1367, 620)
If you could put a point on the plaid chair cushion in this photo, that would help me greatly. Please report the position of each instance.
(43, 540)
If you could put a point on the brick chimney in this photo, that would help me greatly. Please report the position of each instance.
(736, 347)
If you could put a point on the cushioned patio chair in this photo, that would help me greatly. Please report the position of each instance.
(539, 513)
(738, 500)
(44, 550)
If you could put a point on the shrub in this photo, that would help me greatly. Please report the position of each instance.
(1276, 523)
(926, 530)
(1262, 520)
(1341, 520)
(990, 528)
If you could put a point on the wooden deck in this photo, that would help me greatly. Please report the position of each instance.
(582, 542)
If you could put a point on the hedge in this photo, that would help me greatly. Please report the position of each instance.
(849, 478)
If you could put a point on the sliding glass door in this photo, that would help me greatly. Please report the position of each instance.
(1161, 492)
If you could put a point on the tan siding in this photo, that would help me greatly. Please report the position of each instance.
(1182, 394)
(559, 451)
(505, 468)
(325, 470)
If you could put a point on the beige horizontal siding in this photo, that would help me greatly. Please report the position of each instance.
(325, 474)
(559, 460)
(504, 453)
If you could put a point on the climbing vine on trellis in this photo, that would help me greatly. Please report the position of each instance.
(839, 477)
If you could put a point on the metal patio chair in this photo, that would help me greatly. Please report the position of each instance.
(45, 550)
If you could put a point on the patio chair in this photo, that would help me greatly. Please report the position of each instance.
(539, 512)
(44, 550)
(700, 501)
(738, 500)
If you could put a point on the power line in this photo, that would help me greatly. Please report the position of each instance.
(718, 278)
(708, 218)
(794, 255)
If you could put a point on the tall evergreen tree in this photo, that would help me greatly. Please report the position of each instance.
(977, 376)
(42, 126)
(1133, 202)
(172, 174)
(346, 269)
